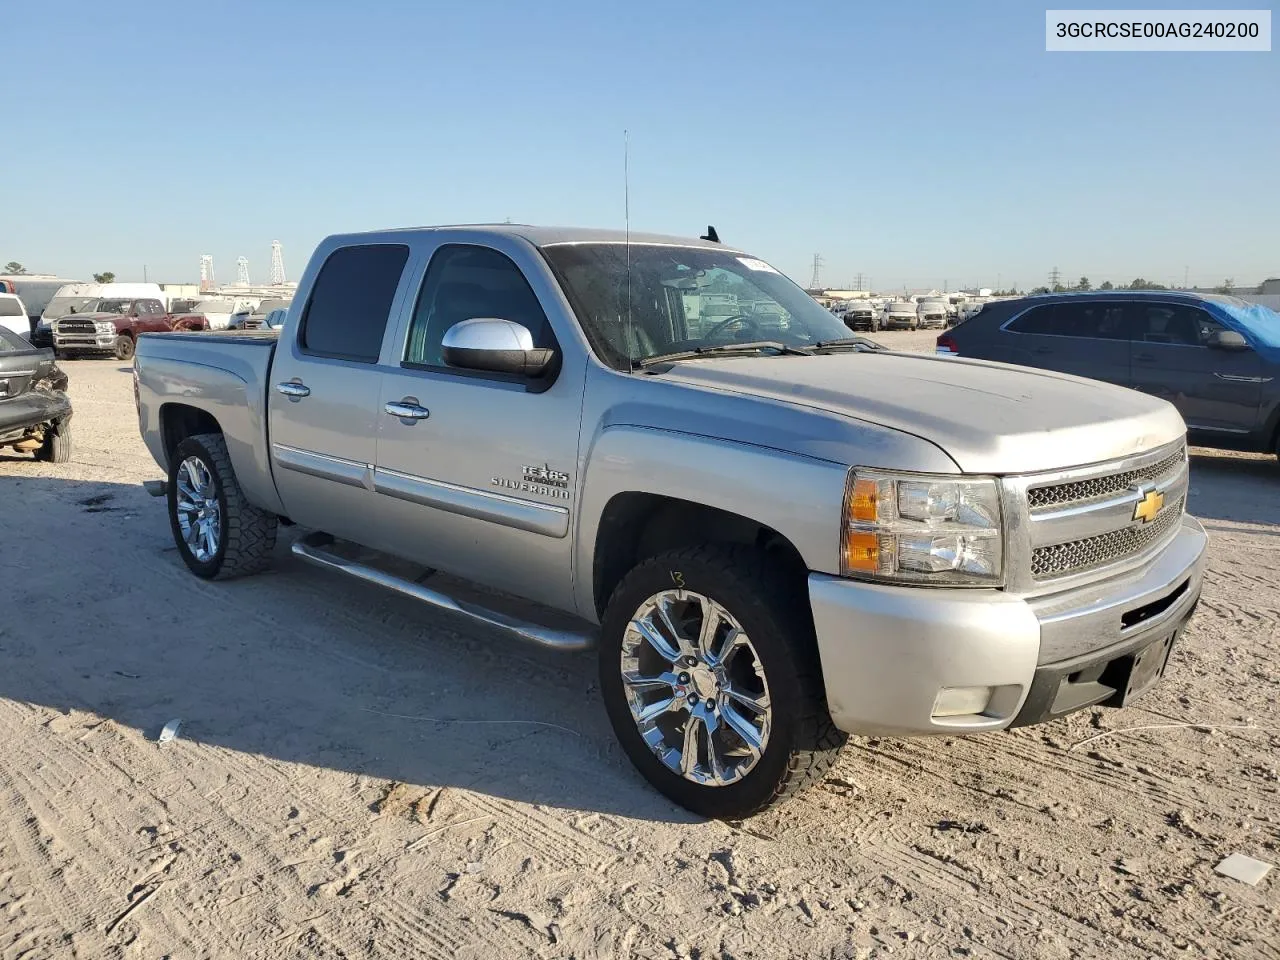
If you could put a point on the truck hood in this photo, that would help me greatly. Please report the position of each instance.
(989, 417)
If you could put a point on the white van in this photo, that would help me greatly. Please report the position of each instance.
(77, 297)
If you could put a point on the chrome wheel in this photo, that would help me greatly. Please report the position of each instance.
(696, 688)
(199, 515)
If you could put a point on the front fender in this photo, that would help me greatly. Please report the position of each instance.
(800, 497)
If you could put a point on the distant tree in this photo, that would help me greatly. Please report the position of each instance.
(1106, 285)
(1040, 290)
(1084, 284)
(14, 268)
(1141, 284)
(1059, 288)
(1227, 286)
(107, 277)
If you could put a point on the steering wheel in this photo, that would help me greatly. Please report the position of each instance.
(751, 321)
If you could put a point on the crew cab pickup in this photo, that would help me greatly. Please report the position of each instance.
(775, 534)
(112, 325)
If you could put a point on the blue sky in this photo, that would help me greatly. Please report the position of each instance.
(913, 143)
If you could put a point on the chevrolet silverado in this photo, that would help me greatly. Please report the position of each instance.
(775, 534)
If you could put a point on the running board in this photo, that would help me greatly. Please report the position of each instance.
(311, 548)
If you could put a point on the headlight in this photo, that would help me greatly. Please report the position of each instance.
(104, 326)
(922, 529)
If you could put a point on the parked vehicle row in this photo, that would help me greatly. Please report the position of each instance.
(1215, 358)
(774, 534)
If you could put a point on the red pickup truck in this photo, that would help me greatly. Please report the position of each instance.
(112, 326)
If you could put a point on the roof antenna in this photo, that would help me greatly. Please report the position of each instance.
(711, 235)
(626, 206)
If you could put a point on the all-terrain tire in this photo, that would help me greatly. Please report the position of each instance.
(124, 347)
(247, 535)
(803, 742)
(57, 443)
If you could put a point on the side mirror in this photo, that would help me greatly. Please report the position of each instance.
(497, 346)
(1228, 340)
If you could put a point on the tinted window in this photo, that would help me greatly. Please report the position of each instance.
(1171, 323)
(1104, 321)
(10, 308)
(464, 282)
(351, 300)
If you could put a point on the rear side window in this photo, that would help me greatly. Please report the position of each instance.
(11, 342)
(464, 282)
(1099, 321)
(351, 301)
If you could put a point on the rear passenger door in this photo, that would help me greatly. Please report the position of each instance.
(1087, 338)
(322, 393)
(1215, 390)
(149, 317)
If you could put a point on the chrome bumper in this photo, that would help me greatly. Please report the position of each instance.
(888, 652)
(98, 341)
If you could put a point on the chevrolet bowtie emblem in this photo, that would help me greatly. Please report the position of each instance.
(1150, 505)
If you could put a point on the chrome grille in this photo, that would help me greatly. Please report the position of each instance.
(74, 326)
(1077, 556)
(1098, 488)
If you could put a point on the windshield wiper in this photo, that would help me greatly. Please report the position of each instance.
(856, 343)
(723, 349)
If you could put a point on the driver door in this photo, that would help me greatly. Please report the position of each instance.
(481, 480)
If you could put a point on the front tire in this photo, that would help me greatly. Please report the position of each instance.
(710, 676)
(219, 533)
(57, 443)
(124, 347)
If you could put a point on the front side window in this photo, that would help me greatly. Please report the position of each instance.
(351, 301)
(648, 299)
(1173, 323)
(465, 282)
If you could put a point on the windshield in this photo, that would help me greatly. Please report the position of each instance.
(62, 306)
(901, 307)
(1258, 320)
(934, 304)
(682, 298)
(9, 307)
(112, 306)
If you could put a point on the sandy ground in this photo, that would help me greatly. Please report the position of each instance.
(359, 777)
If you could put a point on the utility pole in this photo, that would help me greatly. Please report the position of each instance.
(144, 273)
(1186, 278)
(1055, 278)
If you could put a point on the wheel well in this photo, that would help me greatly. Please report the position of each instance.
(636, 526)
(179, 421)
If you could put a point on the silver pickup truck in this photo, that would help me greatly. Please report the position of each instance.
(776, 533)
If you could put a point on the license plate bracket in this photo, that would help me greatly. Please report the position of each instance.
(1147, 667)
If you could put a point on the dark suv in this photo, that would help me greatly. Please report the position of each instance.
(1215, 358)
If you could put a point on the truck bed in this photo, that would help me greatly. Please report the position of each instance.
(224, 375)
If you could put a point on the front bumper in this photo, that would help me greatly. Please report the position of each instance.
(888, 651)
(85, 343)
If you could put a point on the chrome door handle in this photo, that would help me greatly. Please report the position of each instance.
(293, 389)
(406, 409)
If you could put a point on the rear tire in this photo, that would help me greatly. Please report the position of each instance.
(243, 536)
(797, 740)
(124, 347)
(57, 444)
